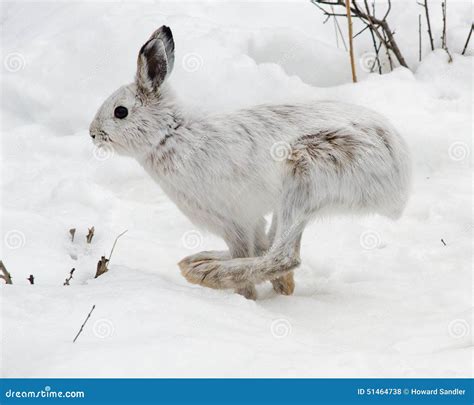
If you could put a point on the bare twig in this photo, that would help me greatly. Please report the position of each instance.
(444, 43)
(361, 31)
(428, 23)
(90, 235)
(443, 242)
(389, 57)
(391, 43)
(82, 326)
(374, 42)
(31, 279)
(419, 37)
(115, 242)
(336, 34)
(351, 45)
(443, 33)
(5, 274)
(102, 265)
(368, 18)
(338, 30)
(69, 278)
(467, 40)
(377, 51)
(72, 232)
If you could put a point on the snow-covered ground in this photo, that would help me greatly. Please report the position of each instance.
(373, 297)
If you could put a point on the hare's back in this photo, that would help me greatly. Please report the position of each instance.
(355, 158)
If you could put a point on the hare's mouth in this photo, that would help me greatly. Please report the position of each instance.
(100, 137)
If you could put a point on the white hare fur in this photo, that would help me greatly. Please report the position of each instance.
(226, 172)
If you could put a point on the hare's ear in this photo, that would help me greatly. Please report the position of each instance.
(155, 60)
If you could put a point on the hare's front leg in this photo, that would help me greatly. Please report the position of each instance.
(284, 285)
(241, 244)
(293, 213)
(236, 240)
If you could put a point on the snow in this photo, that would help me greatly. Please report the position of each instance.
(374, 298)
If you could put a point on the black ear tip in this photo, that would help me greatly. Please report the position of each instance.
(166, 30)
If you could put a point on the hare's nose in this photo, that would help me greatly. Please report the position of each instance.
(92, 134)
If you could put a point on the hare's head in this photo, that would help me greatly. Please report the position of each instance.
(140, 114)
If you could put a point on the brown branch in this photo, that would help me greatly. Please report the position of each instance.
(101, 267)
(419, 37)
(102, 264)
(72, 232)
(338, 29)
(393, 45)
(428, 23)
(115, 242)
(389, 40)
(444, 43)
(351, 45)
(467, 40)
(69, 278)
(368, 18)
(90, 235)
(387, 50)
(84, 323)
(331, 3)
(387, 12)
(5, 274)
(327, 13)
(361, 31)
(374, 42)
(443, 32)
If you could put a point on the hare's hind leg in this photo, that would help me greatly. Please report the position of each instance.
(284, 285)
(284, 255)
(206, 255)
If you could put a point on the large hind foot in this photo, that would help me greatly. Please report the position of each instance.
(249, 291)
(203, 256)
(218, 274)
(284, 285)
(202, 259)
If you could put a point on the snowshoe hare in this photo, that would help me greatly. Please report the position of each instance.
(225, 172)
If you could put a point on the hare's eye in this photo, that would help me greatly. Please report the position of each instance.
(121, 112)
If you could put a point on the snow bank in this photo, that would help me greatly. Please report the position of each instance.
(373, 297)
